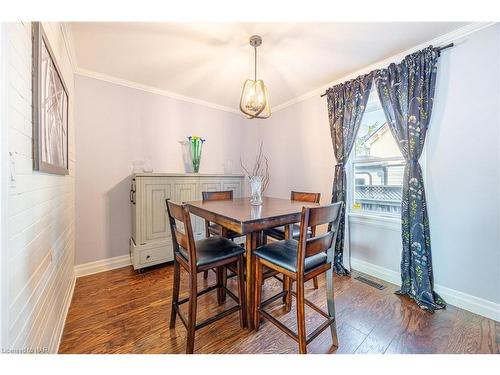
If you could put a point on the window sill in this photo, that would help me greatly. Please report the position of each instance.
(378, 221)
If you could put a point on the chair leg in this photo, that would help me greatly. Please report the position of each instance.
(285, 287)
(219, 272)
(175, 292)
(224, 283)
(193, 300)
(205, 274)
(241, 292)
(301, 318)
(331, 306)
(315, 282)
(287, 298)
(257, 293)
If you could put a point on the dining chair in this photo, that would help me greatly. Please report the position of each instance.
(280, 233)
(198, 256)
(300, 261)
(213, 229)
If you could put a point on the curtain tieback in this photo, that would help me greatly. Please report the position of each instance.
(339, 164)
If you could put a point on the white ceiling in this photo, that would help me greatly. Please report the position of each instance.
(210, 62)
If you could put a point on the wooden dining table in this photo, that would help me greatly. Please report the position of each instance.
(250, 220)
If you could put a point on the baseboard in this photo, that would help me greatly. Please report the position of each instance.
(469, 302)
(371, 269)
(453, 297)
(62, 321)
(102, 265)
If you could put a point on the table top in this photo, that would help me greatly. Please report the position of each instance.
(242, 217)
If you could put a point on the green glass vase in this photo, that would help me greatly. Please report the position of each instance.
(196, 145)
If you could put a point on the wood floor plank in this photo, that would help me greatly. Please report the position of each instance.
(122, 311)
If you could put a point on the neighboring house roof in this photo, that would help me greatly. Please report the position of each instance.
(375, 134)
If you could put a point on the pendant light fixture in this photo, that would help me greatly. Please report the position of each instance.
(254, 102)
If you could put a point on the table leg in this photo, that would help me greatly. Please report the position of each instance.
(250, 244)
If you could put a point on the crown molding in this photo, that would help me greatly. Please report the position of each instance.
(440, 40)
(153, 90)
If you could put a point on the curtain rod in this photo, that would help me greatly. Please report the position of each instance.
(439, 49)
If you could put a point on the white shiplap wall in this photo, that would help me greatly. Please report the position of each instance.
(40, 207)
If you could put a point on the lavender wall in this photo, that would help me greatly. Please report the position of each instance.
(117, 125)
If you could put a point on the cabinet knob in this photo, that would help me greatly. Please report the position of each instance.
(149, 256)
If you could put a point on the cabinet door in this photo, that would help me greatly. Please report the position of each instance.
(210, 185)
(233, 184)
(185, 190)
(154, 215)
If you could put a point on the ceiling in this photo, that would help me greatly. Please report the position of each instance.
(210, 62)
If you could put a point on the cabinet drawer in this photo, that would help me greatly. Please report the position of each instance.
(156, 255)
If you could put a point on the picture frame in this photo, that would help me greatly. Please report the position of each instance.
(50, 108)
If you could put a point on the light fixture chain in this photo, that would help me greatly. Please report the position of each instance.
(255, 64)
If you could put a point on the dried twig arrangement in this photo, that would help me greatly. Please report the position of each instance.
(261, 168)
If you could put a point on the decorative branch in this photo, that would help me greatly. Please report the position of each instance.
(260, 168)
(246, 171)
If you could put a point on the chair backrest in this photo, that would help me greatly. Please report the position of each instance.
(305, 197)
(311, 217)
(183, 239)
(302, 196)
(217, 195)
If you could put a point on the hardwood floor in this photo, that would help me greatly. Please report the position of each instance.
(121, 311)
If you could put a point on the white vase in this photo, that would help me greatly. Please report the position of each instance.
(256, 190)
(256, 212)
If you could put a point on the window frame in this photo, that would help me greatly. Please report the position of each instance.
(352, 162)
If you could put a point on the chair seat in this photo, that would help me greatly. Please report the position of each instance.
(284, 254)
(279, 232)
(213, 249)
(216, 230)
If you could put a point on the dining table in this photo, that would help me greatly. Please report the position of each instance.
(250, 220)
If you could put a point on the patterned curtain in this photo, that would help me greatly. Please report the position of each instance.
(406, 91)
(346, 106)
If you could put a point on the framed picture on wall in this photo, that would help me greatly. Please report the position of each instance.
(50, 108)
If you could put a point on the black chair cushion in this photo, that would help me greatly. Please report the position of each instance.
(213, 249)
(216, 230)
(279, 232)
(284, 254)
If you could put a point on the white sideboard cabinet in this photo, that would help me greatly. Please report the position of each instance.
(151, 241)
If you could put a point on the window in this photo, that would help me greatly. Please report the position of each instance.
(377, 165)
